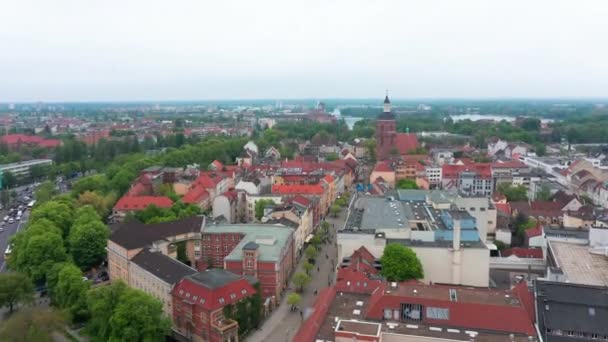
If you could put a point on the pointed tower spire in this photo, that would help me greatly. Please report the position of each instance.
(387, 104)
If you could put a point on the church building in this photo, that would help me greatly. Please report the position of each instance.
(388, 142)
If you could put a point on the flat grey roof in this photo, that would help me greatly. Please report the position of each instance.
(579, 265)
(381, 213)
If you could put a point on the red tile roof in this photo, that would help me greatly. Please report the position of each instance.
(536, 253)
(141, 202)
(209, 298)
(195, 195)
(504, 208)
(452, 171)
(315, 189)
(383, 166)
(406, 142)
(209, 180)
(301, 200)
(217, 164)
(310, 328)
(467, 314)
(15, 139)
(533, 232)
(511, 164)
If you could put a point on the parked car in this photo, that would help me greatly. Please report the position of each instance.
(10, 220)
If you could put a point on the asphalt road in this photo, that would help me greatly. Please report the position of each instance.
(9, 230)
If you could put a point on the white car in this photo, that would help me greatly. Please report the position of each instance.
(1, 229)
(10, 220)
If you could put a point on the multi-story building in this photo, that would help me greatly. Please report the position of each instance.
(360, 307)
(388, 141)
(435, 224)
(470, 179)
(262, 251)
(22, 169)
(209, 244)
(128, 204)
(199, 300)
(156, 274)
(571, 312)
(130, 238)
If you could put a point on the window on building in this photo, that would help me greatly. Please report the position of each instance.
(197, 254)
(437, 313)
(243, 291)
(225, 248)
(249, 263)
(591, 311)
(221, 300)
(195, 298)
(217, 249)
(202, 301)
(187, 294)
(482, 209)
(197, 243)
(232, 296)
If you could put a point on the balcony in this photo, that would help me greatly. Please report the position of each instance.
(224, 325)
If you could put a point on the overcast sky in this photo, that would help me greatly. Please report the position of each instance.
(87, 50)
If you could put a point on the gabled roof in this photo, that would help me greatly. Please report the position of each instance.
(135, 203)
(162, 266)
(214, 288)
(135, 234)
(315, 189)
(406, 142)
(196, 194)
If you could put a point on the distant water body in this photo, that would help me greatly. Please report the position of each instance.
(477, 117)
(350, 120)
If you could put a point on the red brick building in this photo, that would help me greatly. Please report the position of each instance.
(259, 250)
(199, 300)
(387, 138)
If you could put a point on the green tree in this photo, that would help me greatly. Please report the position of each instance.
(332, 156)
(36, 253)
(138, 317)
(15, 288)
(334, 210)
(58, 213)
(544, 194)
(300, 280)
(307, 267)
(400, 263)
(88, 243)
(98, 183)
(5, 198)
(102, 302)
(70, 292)
(8, 180)
(294, 299)
(370, 147)
(32, 325)
(122, 181)
(45, 192)
(102, 204)
(259, 207)
(407, 184)
(256, 306)
(513, 192)
(311, 252)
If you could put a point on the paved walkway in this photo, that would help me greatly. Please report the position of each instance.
(283, 323)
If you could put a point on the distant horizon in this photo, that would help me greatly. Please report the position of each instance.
(375, 100)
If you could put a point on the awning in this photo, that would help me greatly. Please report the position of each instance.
(308, 238)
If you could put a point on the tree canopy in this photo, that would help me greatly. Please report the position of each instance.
(407, 184)
(513, 192)
(138, 317)
(15, 288)
(259, 207)
(400, 263)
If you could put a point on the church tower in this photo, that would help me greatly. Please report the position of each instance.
(386, 128)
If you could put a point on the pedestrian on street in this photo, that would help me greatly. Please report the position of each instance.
(318, 269)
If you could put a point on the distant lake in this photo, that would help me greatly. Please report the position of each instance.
(477, 117)
(350, 121)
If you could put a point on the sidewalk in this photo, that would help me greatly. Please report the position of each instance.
(283, 324)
